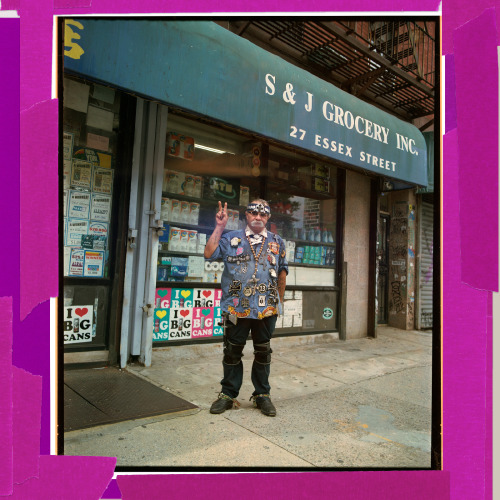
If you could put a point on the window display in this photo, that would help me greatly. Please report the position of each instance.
(204, 165)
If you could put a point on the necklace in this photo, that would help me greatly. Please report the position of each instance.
(255, 256)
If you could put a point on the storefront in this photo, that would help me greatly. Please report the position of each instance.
(214, 118)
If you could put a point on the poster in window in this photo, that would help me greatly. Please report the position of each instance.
(76, 260)
(81, 174)
(101, 207)
(67, 145)
(93, 266)
(75, 229)
(65, 202)
(99, 229)
(79, 204)
(97, 158)
(67, 174)
(77, 324)
(102, 180)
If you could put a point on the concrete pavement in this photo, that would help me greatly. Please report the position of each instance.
(356, 403)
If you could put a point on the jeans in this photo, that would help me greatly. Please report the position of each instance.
(261, 331)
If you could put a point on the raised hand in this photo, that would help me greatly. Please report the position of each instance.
(221, 217)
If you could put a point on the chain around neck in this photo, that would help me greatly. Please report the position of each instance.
(256, 257)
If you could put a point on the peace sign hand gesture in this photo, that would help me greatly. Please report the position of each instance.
(221, 217)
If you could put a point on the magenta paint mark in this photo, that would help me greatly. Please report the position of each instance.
(39, 212)
(464, 350)
(450, 108)
(69, 477)
(432, 485)
(458, 12)
(477, 125)
(6, 463)
(27, 409)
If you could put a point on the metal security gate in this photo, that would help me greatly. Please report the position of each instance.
(424, 316)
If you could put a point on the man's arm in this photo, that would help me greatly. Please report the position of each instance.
(221, 219)
(282, 285)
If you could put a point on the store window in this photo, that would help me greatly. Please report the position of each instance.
(204, 165)
(90, 120)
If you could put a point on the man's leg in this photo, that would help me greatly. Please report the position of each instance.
(262, 331)
(235, 340)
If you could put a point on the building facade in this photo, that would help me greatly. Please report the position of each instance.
(161, 120)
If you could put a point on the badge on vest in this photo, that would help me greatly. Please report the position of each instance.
(235, 241)
(262, 301)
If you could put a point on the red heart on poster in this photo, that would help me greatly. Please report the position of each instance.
(81, 312)
(207, 293)
(184, 313)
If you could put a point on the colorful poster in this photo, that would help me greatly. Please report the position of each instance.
(203, 297)
(79, 204)
(81, 174)
(100, 207)
(97, 158)
(181, 297)
(162, 298)
(218, 326)
(76, 259)
(99, 229)
(93, 266)
(75, 229)
(94, 242)
(77, 324)
(67, 254)
(202, 322)
(180, 323)
(102, 181)
(161, 324)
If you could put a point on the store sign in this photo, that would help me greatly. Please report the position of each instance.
(250, 88)
(77, 324)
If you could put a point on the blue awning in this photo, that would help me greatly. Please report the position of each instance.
(203, 68)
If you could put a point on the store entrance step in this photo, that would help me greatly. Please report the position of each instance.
(101, 396)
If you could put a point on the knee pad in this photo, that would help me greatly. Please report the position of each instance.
(262, 353)
(232, 353)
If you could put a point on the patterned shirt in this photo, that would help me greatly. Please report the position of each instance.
(240, 295)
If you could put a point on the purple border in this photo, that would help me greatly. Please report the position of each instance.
(466, 311)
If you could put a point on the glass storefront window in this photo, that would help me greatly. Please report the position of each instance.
(203, 165)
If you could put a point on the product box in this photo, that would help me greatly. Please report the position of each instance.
(185, 212)
(162, 274)
(166, 205)
(198, 186)
(180, 146)
(188, 186)
(172, 181)
(179, 266)
(192, 241)
(163, 238)
(183, 244)
(244, 195)
(175, 212)
(174, 241)
(194, 213)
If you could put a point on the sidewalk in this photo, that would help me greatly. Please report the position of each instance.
(356, 403)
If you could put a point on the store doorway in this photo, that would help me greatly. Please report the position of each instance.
(383, 268)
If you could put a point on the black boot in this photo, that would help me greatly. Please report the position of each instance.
(264, 403)
(221, 404)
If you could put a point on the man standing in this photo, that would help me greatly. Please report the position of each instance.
(253, 287)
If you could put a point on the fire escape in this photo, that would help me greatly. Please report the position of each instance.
(389, 63)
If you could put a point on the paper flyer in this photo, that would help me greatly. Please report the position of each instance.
(100, 118)
(79, 204)
(101, 207)
(99, 229)
(93, 266)
(67, 173)
(65, 202)
(81, 174)
(76, 260)
(67, 145)
(102, 180)
(75, 229)
(76, 95)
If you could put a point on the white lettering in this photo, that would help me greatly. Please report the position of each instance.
(270, 81)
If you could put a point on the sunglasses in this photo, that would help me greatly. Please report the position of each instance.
(256, 212)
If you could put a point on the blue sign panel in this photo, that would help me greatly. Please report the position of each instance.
(201, 67)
